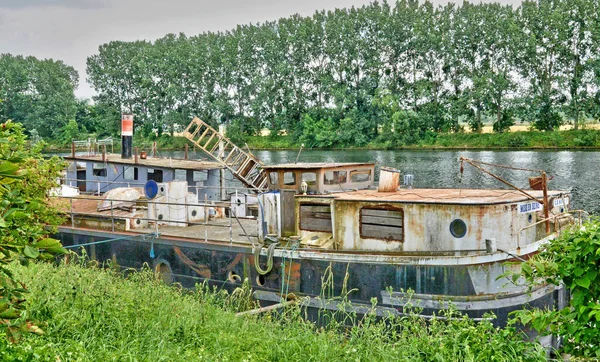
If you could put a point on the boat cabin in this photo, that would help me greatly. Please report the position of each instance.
(317, 179)
(99, 174)
(348, 214)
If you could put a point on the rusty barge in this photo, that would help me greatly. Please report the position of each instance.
(301, 229)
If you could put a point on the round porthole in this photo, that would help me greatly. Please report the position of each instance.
(458, 228)
(194, 213)
(530, 218)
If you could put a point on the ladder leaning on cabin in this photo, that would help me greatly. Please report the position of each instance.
(242, 165)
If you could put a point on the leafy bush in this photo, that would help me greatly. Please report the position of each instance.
(571, 260)
(26, 220)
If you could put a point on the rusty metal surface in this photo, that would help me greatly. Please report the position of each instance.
(389, 180)
(443, 196)
(315, 165)
(151, 162)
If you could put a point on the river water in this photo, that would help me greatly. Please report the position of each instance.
(577, 171)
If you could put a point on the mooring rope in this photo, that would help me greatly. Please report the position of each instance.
(270, 251)
(144, 236)
(285, 285)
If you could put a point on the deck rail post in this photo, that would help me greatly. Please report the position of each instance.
(72, 217)
(155, 218)
(230, 227)
(112, 216)
(205, 219)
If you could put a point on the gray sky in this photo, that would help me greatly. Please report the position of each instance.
(72, 30)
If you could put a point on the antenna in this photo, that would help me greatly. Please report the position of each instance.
(301, 147)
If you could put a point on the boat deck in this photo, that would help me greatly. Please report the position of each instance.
(85, 214)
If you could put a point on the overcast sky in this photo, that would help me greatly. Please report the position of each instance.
(72, 30)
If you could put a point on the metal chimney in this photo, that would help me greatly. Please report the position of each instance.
(126, 135)
(389, 179)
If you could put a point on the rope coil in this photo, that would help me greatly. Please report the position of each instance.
(270, 252)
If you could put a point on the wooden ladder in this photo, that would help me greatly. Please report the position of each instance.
(243, 165)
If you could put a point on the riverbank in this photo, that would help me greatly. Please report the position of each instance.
(567, 139)
(522, 140)
(96, 314)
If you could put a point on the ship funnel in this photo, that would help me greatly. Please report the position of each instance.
(389, 179)
(126, 135)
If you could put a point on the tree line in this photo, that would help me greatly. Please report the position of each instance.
(396, 73)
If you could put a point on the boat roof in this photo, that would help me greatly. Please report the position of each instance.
(446, 196)
(150, 162)
(316, 165)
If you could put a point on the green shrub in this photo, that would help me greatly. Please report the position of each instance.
(571, 260)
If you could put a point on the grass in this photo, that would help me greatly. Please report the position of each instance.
(96, 314)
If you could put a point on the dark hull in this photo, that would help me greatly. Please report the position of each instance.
(190, 262)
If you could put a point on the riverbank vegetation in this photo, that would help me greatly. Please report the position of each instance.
(96, 314)
(390, 74)
(571, 139)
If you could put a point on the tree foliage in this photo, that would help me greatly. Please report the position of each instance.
(26, 220)
(37, 93)
(344, 75)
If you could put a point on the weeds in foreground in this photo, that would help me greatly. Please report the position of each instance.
(93, 313)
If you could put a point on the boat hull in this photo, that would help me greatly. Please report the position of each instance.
(428, 282)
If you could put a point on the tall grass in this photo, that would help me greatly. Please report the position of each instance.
(93, 314)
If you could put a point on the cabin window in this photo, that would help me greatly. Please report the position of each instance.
(130, 173)
(311, 180)
(315, 217)
(335, 177)
(180, 175)
(360, 175)
(99, 170)
(155, 175)
(200, 176)
(378, 223)
(289, 178)
(274, 178)
(458, 228)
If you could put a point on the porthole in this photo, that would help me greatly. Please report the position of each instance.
(530, 218)
(160, 216)
(194, 213)
(138, 221)
(260, 280)
(458, 228)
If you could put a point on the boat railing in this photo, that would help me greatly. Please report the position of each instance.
(558, 225)
(101, 186)
(228, 206)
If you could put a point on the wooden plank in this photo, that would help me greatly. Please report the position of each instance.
(315, 208)
(381, 232)
(315, 224)
(315, 215)
(384, 221)
(381, 212)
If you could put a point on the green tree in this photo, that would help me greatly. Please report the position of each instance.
(37, 93)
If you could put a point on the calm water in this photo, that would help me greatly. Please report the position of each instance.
(577, 171)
